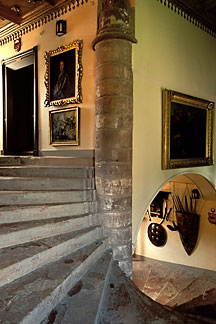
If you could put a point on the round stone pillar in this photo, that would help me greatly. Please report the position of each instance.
(114, 125)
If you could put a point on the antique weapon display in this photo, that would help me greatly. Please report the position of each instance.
(156, 232)
(187, 220)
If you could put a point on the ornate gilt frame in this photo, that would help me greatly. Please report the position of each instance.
(77, 98)
(172, 99)
(64, 126)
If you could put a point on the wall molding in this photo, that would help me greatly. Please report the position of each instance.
(33, 21)
(189, 16)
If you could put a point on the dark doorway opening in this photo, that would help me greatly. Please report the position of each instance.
(20, 104)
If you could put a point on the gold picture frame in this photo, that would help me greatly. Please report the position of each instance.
(64, 126)
(187, 134)
(63, 75)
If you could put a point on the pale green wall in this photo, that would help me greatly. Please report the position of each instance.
(174, 54)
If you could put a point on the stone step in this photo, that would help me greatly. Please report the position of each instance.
(21, 259)
(47, 171)
(46, 161)
(11, 214)
(44, 197)
(23, 232)
(203, 305)
(39, 184)
(124, 303)
(82, 303)
(29, 299)
(204, 282)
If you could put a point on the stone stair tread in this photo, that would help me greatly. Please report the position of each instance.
(44, 197)
(46, 161)
(30, 298)
(203, 305)
(124, 303)
(44, 207)
(47, 171)
(44, 183)
(16, 167)
(19, 226)
(82, 302)
(31, 231)
(11, 192)
(30, 212)
(17, 253)
(202, 283)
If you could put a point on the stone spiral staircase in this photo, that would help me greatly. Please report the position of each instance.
(55, 265)
(49, 233)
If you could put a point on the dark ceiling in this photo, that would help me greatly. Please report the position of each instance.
(204, 11)
(17, 11)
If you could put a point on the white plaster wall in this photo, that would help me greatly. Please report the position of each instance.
(81, 24)
(174, 54)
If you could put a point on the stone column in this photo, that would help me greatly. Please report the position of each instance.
(114, 125)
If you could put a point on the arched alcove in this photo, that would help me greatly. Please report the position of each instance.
(173, 251)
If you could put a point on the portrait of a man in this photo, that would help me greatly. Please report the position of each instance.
(63, 75)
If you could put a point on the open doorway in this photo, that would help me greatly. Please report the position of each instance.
(20, 104)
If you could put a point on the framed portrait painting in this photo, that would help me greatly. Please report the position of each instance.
(64, 126)
(187, 131)
(63, 75)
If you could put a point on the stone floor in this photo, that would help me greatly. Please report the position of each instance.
(181, 287)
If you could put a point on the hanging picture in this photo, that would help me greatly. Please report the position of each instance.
(63, 75)
(64, 126)
(187, 131)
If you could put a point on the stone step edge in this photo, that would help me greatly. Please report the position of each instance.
(18, 192)
(45, 161)
(30, 198)
(43, 231)
(103, 295)
(25, 266)
(13, 214)
(51, 301)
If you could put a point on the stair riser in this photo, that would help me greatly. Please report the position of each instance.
(46, 306)
(40, 232)
(47, 172)
(40, 198)
(25, 266)
(43, 212)
(45, 184)
(46, 161)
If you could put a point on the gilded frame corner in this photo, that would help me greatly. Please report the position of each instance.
(64, 126)
(70, 55)
(187, 131)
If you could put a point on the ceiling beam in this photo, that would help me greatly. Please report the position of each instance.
(51, 2)
(8, 14)
(208, 4)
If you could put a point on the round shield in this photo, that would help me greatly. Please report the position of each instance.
(157, 234)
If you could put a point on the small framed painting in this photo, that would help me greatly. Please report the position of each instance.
(187, 131)
(63, 75)
(64, 126)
